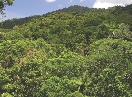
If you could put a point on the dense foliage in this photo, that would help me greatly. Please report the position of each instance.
(3, 4)
(72, 52)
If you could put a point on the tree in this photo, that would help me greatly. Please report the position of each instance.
(4, 3)
(123, 32)
(109, 69)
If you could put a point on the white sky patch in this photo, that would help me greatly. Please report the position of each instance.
(110, 3)
(10, 15)
(50, 1)
(82, 0)
(70, 1)
(60, 5)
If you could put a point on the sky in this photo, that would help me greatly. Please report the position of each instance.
(26, 8)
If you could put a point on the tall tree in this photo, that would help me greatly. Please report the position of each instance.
(4, 3)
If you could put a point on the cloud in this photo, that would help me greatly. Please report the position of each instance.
(70, 1)
(50, 0)
(60, 5)
(82, 0)
(110, 3)
(11, 15)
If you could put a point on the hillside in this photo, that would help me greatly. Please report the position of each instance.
(75, 51)
(8, 24)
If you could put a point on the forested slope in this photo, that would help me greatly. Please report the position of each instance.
(76, 8)
(10, 23)
(68, 53)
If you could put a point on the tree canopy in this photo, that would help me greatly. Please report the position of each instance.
(71, 52)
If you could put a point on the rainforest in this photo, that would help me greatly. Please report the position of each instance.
(71, 52)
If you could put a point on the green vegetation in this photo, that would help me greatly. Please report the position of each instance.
(72, 52)
(3, 4)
